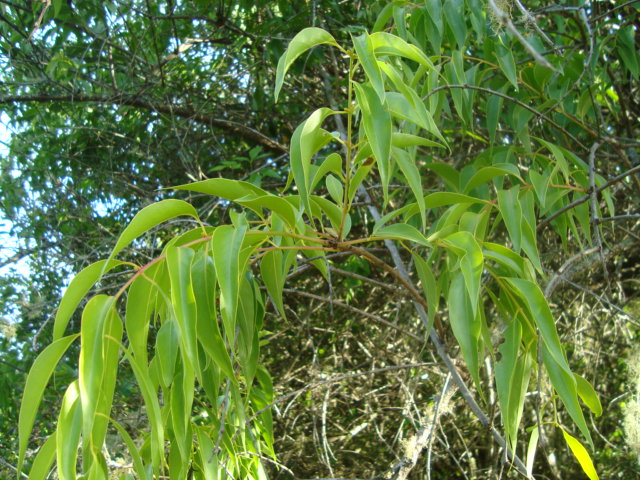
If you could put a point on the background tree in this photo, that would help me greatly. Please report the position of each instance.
(111, 101)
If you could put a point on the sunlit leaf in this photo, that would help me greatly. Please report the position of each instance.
(581, 454)
(151, 216)
(377, 126)
(34, 387)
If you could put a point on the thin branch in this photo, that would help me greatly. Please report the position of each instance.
(402, 275)
(520, 103)
(231, 127)
(584, 198)
(357, 311)
(506, 20)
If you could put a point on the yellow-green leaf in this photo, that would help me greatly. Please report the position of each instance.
(37, 380)
(581, 454)
(151, 216)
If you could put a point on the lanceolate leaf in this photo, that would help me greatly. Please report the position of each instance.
(37, 380)
(387, 44)
(429, 288)
(402, 231)
(151, 216)
(91, 366)
(226, 244)
(76, 291)
(465, 325)
(364, 50)
(377, 126)
(183, 300)
(273, 276)
(70, 426)
(581, 454)
(138, 465)
(412, 176)
(307, 139)
(471, 263)
(588, 395)
(224, 188)
(303, 41)
(44, 459)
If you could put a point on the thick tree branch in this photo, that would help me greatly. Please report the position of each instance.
(234, 128)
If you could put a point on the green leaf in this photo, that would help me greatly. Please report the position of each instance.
(34, 387)
(377, 126)
(68, 433)
(507, 63)
(581, 454)
(151, 216)
(429, 288)
(465, 325)
(333, 213)
(334, 186)
(226, 244)
(273, 276)
(541, 314)
(76, 291)
(441, 199)
(143, 379)
(224, 188)
(489, 173)
(307, 139)
(402, 231)
(183, 299)
(411, 174)
(453, 12)
(303, 41)
(203, 280)
(512, 373)
(167, 345)
(588, 395)
(404, 140)
(276, 204)
(333, 164)
(387, 44)
(511, 215)
(531, 450)
(92, 361)
(208, 457)
(471, 263)
(141, 299)
(41, 465)
(366, 57)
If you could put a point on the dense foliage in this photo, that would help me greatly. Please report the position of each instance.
(360, 283)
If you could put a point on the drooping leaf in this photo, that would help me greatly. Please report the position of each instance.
(366, 57)
(41, 465)
(588, 395)
(273, 277)
(511, 211)
(226, 244)
(70, 426)
(471, 263)
(429, 288)
(465, 325)
(581, 454)
(412, 175)
(34, 387)
(77, 290)
(377, 126)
